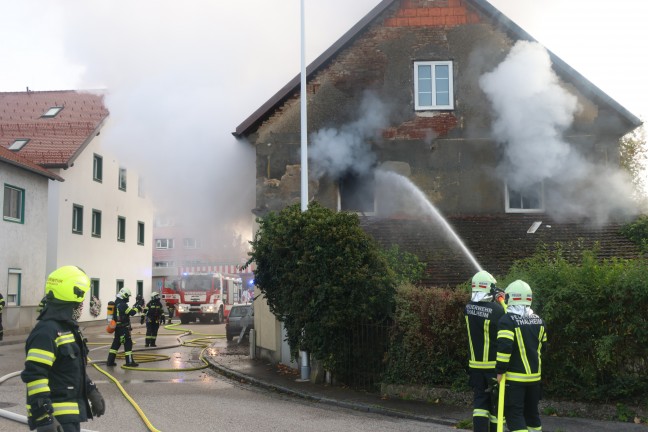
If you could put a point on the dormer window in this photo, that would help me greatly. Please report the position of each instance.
(53, 111)
(356, 193)
(18, 144)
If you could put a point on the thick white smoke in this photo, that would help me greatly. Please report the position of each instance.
(532, 112)
(336, 152)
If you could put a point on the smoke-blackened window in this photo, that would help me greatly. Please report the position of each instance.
(357, 193)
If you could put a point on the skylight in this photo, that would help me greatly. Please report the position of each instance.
(53, 111)
(18, 144)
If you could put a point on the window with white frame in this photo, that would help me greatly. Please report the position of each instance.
(357, 194)
(140, 233)
(96, 223)
(94, 287)
(122, 179)
(163, 263)
(191, 243)
(433, 85)
(529, 199)
(13, 209)
(121, 228)
(77, 219)
(97, 168)
(14, 282)
(119, 285)
(164, 243)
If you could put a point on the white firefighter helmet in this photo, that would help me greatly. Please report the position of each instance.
(519, 293)
(482, 281)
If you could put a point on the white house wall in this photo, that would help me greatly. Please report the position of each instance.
(24, 246)
(104, 257)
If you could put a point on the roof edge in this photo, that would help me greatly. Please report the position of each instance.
(258, 115)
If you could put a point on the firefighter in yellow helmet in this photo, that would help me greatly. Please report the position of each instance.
(481, 315)
(60, 395)
(521, 340)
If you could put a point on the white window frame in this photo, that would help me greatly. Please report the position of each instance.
(77, 219)
(163, 263)
(13, 208)
(97, 168)
(52, 111)
(510, 209)
(141, 232)
(96, 223)
(191, 243)
(121, 228)
(418, 106)
(164, 243)
(13, 290)
(122, 179)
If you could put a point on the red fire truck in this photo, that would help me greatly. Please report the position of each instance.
(204, 297)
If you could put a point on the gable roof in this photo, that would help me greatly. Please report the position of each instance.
(54, 142)
(495, 241)
(508, 26)
(15, 159)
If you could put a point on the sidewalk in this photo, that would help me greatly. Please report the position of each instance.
(260, 373)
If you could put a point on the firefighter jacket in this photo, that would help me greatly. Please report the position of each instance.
(123, 312)
(2, 303)
(154, 312)
(55, 368)
(521, 341)
(481, 322)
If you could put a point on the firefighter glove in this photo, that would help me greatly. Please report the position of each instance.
(142, 319)
(96, 402)
(53, 426)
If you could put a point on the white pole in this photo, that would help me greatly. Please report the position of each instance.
(305, 363)
(304, 117)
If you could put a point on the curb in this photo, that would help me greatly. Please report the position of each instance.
(223, 370)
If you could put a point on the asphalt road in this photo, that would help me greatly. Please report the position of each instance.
(191, 400)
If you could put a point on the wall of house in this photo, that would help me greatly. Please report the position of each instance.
(24, 247)
(104, 257)
(450, 154)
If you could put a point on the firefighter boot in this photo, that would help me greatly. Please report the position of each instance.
(153, 343)
(130, 362)
(111, 360)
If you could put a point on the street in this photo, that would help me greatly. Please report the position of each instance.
(191, 400)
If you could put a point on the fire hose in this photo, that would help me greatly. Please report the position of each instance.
(141, 358)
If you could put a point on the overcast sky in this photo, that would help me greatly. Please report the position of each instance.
(182, 75)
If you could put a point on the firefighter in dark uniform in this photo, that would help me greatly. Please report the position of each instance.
(2, 305)
(60, 395)
(123, 312)
(521, 341)
(482, 314)
(154, 316)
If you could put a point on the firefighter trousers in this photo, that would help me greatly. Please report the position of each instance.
(521, 406)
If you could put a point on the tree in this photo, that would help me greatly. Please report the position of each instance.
(320, 273)
(634, 157)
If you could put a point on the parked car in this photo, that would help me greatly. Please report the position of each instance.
(240, 316)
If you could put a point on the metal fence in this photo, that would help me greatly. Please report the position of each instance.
(366, 348)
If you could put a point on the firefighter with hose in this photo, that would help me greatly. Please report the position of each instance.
(521, 341)
(60, 395)
(123, 312)
(482, 314)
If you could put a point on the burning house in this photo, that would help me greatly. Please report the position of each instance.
(510, 144)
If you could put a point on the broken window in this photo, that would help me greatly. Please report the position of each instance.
(357, 193)
(528, 199)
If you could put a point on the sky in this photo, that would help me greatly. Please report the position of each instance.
(182, 75)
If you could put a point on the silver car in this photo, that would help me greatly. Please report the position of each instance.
(240, 316)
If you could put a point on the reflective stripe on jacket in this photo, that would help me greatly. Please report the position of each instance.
(521, 340)
(481, 322)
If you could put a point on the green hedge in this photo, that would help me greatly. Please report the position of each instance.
(596, 315)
